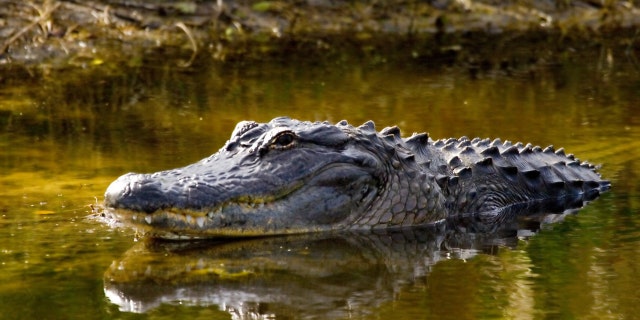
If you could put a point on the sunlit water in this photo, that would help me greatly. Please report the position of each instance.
(66, 135)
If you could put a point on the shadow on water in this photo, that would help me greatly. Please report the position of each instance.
(320, 275)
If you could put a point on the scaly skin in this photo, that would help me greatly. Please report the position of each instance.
(288, 176)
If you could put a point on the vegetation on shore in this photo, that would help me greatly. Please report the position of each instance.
(74, 32)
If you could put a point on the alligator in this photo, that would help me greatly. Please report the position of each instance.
(288, 176)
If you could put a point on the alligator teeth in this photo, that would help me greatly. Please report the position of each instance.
(215, 212)
(148, 218)
(200, 221)
(189, 219)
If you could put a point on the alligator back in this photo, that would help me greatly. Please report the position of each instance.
(483, 175)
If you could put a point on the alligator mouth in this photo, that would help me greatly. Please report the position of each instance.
(193, 225)
(240, 216)
(181, 224)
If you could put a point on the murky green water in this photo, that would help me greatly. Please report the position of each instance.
(64, 136)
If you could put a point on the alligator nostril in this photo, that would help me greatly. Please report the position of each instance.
(118, 190)
(134, 192)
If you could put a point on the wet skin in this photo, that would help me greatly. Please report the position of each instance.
(289, 176)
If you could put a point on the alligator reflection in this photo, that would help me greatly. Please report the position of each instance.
(329, 275)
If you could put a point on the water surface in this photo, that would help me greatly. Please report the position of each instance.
(65, 135)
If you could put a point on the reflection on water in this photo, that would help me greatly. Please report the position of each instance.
(318, 275)
(64, 136)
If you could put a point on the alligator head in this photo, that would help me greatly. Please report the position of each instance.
(280, 177)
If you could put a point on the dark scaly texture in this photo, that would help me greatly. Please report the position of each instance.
(288, 176)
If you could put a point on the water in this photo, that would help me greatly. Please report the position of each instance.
(65, 135)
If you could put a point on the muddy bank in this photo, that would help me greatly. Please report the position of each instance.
(81, 33)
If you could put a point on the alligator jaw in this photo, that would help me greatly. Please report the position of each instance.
(293, 209)
(171, 225)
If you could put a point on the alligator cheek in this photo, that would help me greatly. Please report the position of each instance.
(333, 196)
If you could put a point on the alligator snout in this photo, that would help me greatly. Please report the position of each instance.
(136, 192)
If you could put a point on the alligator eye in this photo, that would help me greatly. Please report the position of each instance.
(284, 140)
